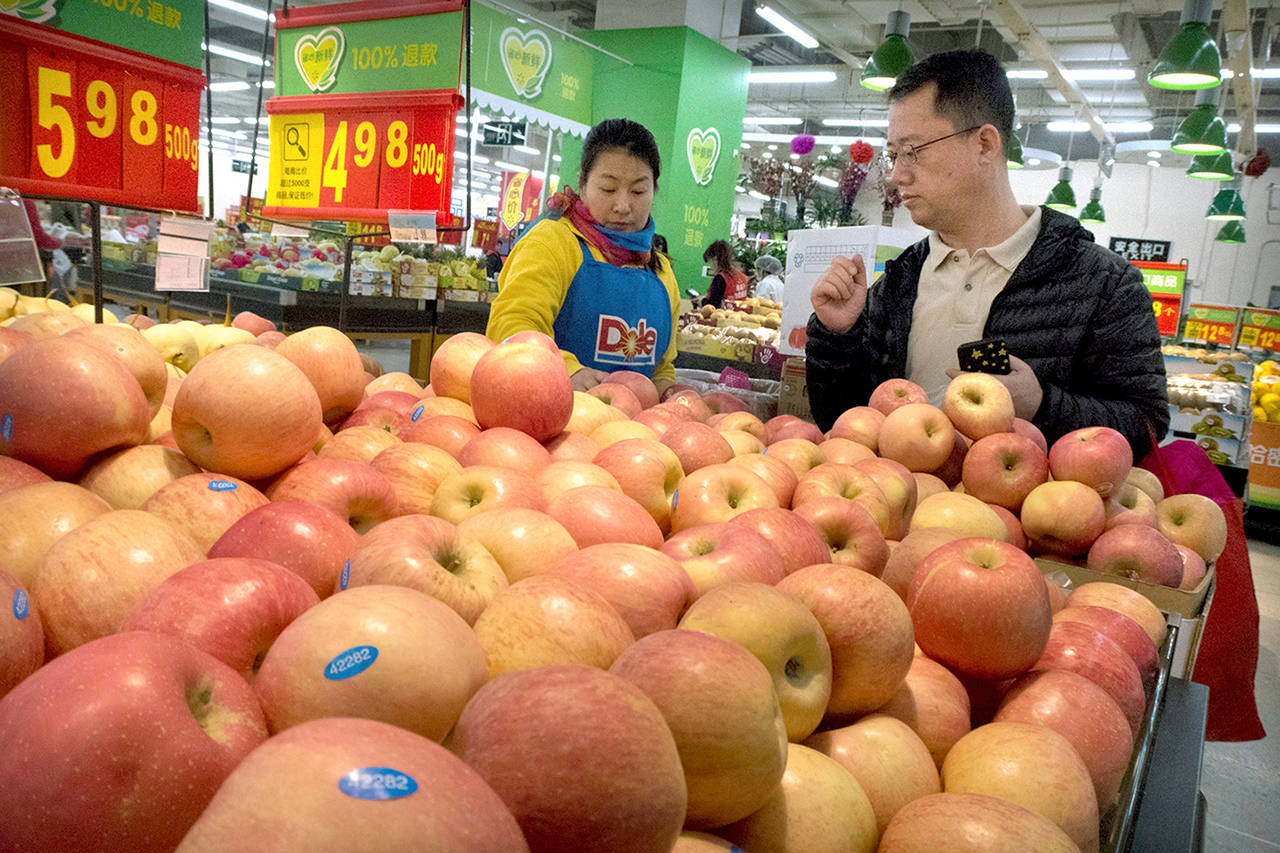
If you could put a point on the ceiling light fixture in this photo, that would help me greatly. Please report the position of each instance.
(238, 55)
(1026, 74)
(243, 9)
(892, 57)
(1203, 131)
(1062, 197)
(1232, 232)
(1098, 74)
(229, 86)
(1191, 59)
(855, 122)
(1212, 167)
(1227, 205)
(788, 26)
(1070, 126)
(1092, 213)
(772, 120)
(791, 76)
(527, 149)
(1013, 152)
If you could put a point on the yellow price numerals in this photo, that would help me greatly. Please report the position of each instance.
(427, 159)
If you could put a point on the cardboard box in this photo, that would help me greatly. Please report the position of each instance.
(793, 397)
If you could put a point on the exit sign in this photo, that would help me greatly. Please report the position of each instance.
(245, 166)
(504, 133)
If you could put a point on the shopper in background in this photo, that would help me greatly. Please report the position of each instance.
(585, 272)
(730, 282)
(1075, 316)
(769, 285)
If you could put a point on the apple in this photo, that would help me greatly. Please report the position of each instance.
(534, 337)
(358, 443)
(658, 419)
(718, 493)
(431, 556)
(1080, 648)
(619, 395)
(135, 351)
(571, 445)
(801, 454)
(776, 473)
(798, 541)
(934, 704)
(591, 413)
(334, 781)
(781, 632)
(845, 451)
(481, 488)
(176, 345)
(1124, 600)
(978, 405)
(36, 517)
(414, 471)
(507, 448)
(1123, 631)
(901, 493)
(204, 506)
(610, 432)
(852, 534)
(47, 325)
(743, 422)
(861, 424)
(11, 340)
(166, 724)
(719, 703)
(450, 433)
(524, 542)
(353, 490)
(1003, 468)
(128, 477)
(389, 411)
(15, 474)
(693, 841)
(910, 553)
(639, 384)
(394, 381)
(951, 472)
(869, 631)
(648, 588)
(522, 386)
(138, 321)
(252, 323)
(928, 484)
(454, 361)
(796, 429)
(547, 620)
(98, 405)
(1062, 516)
(960, 512)
(596, 514)
(697, 445)
(691, 402)
(304, 537)
(1192, 520)
(1013, 527)
(917, 435)
(564, 474)
(1130, 505)
(830, 480)
(581, 757)
(21, 634)
(890, 762)
(1147, 482)
(1027, 429)
(971, 823)
(1030, 765)
(722, 402)
(232, 608)
(893, 394)
(1193, 568)
(1139, 552)
(212, 337)
(1099, 457)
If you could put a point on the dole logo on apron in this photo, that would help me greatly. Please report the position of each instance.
(619, 343)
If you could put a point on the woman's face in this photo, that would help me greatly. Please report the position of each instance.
(619, 190)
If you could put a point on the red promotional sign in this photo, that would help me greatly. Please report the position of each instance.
(484, 234)
(519, 197)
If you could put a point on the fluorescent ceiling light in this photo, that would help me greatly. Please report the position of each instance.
(791, 77)
(768, 120)
(459, 155)
(825, 181)
(229, 134)
(1155, 155)
(788, 26)
(229, 86)
(1098, 73)
(820, 139)
(758, 195)
(480, 158)
(744, 145)
(1033, 161)
(1266, 128)
(835, 149)
(509, 167)
(1265, 73)
(855, 122)
(225, 120)
(1114, 127)
(773, 148)
(795, 156)
(232, 5)
(268, 84)
(555, 158)
(527, 149)
(1026, 74)
(232, 53)
(539, 174)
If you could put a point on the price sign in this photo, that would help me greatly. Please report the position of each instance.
(1212, 324)
(1166, 310)
(1260, 329)
(408, 226)
(1166, 283)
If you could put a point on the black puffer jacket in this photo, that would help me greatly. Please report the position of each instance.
(1077, 313)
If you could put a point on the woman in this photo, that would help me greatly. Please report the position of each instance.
(585, 272)
(730, 281)
(769, 285)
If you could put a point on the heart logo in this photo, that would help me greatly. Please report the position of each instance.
(317, 57)
(526, 57)
(704, 149)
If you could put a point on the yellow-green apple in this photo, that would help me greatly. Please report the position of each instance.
(136, 549)
(718, 493)
(304, 537)
(917, 435)
(697, 445)
(21, 634)
(380, 652)
(597, 514)
(453, 363)
(852, 534)
(1084, 650)
(590, 413)
(1126, 633)
(648, 588)
(46, 325)
(1083, 713)
(506, 448)
(819, 806)
(11, 340)
(571, 445)
(394, 381)
(781, 632)
(546, 620)
(796, 429)
(1193, 568)
(14, 474)
(691, 403)
(798, 541)
(861, 424)
(1099, 457)
(1128, 601)
(354, 490)
(895, 393)
(960, 512)
(564, 474)
(1003, 468)
(889, 760)
(610, 432)
(36, 517)
(845, 451)
(971, 823)
(742, 442)
(525, 542)
(978, 405)
(800, 454)
(246, 411)
(1147, 481)
(719, 703)
(358, 443)
(618, 395)
(214, 336)
(742, 422)
(252, 323)
(1192, 520)
(204, 506)
(831, 480)
(450, 433)
(391, 411)
(1061, 516)
(869, 631)
(231, 607)
(581, 757)
(343, 784)
(126, 478)
(639, 384)
(156, 722)
(1031, 765)
(481, 488)
(980, 607)
(1138, 552)
(906, 557)
(430, 555)
(64, 401)
(934, 704)
(1129, 504)
(648, 472)
(928, 484)
(128, 344)
(415, 471)
(776, 473)
(161, 423)
(523, 386)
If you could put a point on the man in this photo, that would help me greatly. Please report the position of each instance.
(1077, 320)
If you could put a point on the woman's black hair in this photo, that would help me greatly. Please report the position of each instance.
(660, 244)
(720, 253)
(632, 137)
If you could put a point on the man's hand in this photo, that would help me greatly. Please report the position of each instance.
(840, 295)
(1023, 386)
(587, 378)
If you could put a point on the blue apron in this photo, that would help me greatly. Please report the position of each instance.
(615, 318)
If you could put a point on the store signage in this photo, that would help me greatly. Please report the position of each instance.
(526, 56)
(75, 111)
(244, 166)
(1166, 283)
(1134, 249)
(484, 234)
(1264, 465)
(504, 133)
(1211, 324)
(520, 195)
(703, 147)
(167, 29)
(1260, 329)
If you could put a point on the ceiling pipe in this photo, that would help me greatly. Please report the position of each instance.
(1239, 38)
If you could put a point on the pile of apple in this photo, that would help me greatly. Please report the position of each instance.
(325, 611)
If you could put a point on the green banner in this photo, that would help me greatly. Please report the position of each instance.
(1213, 313)
(386, 55)
(1168, 282)
(166, 29)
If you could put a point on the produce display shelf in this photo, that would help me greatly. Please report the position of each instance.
(753, 369)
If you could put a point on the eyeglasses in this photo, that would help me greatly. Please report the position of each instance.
(911, 153)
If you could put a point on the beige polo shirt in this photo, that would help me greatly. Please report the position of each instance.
(953, 299)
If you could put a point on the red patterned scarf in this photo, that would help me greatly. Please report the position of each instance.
(574, 209)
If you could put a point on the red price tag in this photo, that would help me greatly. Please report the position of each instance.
(98, 90)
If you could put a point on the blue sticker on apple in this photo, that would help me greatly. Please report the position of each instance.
(345, 577)
(675, 496)
(6, 427)
(21, 604)
(352, 662)
(417, 413)
(222, 486)
(377, 783)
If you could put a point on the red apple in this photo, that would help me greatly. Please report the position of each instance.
(830, 480)
(1062, 516)
(128, 477)
(1139, 552)
(429, 406)
(454, 361)
(505, 447)
(357, 492)
(776, 473)
(718, 552)
(1196, 522)
(564, 474)
(894, 393)
(718, 493)
(917, 435)
(522, 386)
(1130, 505)
(900, 492)
(1082, 649)
(1003, 469)
(1123, 631)
(659, 420)
(1027, 429)
(414, 471)
(135, 351)
(852, 534)
(648, 588)
(639, 384)
(801, 454)
(394, 381)
(928, 484)
(389, 411)
(21, 634)
(481, 488)
(36, 517)
(904, 559)
(525, 542)
(845, 451)
(448, 432)
(271, 339)
(1193, 568)
(951, 472)
(11, 340)
(204, 506)
(934, 703)
(15, 474)
(971, 823)
(597, 514)
(358, 443)
(47, 325)
(697, 445)
(798, 541)
(571, 445)
(304, 537)
(331, 362)
(722, 402)
(1099, 457)
(617, 394)
(796, 429)
(861, 424)
(252, 323)
(1130, 602)
(691, 402)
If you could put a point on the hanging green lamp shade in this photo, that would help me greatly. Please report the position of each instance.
(1191, 59)
(1203, 131)
(1212, 167)
(1232, 232)
(1092, 213)
(1227, 205)
(1062, 197)
(892, 57)
(1013, 152)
